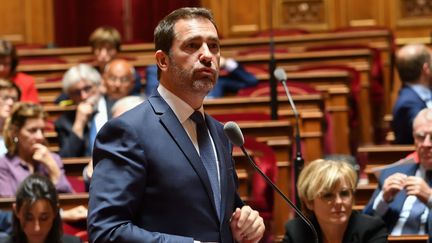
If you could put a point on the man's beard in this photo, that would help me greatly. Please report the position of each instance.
(183, 77)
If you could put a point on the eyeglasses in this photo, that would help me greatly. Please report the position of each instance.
(421, 136)
(344, 194)
(9, 97)
(77, 92)
(123, 80)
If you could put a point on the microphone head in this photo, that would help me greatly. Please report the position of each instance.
(234, 134)
(280, 74)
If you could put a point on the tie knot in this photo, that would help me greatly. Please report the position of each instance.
(197, 117)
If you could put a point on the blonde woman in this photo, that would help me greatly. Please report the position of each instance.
(326, 189)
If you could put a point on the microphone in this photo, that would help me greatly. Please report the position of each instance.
(298, 161)
(235, 135)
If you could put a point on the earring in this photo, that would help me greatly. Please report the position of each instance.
(15, 139)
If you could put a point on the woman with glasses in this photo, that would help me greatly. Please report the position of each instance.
(326, 190)
(9, 95)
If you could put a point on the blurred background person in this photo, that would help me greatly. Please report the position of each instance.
(27, 152)
(77, 129)
(124, 104)
(8, 70)
(414, 65)
(118, 79)
(9, 95)
(326, 190)
(403, 198)
(106, 43)
(36, 216)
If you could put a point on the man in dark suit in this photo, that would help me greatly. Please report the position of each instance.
(153, 180)
(74, 128)
(414, 66)
(404, 195)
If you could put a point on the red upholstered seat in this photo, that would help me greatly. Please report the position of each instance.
(41, 60)
(263, 89)
(77, 183)
(261, 197)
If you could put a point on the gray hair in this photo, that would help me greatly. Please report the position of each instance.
(80, 72)
(126, 103)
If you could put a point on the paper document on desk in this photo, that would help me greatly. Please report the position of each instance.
(377, 170)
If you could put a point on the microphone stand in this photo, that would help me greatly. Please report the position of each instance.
(275, 188)
(272, 67)
(298, 161)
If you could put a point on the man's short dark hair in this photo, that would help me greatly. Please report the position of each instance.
(164, 31)
(411, 68)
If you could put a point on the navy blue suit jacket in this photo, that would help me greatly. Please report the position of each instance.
(149, 184)
(395, 207)
(405, 110)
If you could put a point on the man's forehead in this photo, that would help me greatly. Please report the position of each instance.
(194, 28)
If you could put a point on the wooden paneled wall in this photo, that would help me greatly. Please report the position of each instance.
(32, 21)
(27, 21)
(409, 19)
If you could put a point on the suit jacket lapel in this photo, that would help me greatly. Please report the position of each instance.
(170, 122)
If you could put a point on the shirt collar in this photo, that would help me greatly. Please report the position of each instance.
(181, 109)
(422, 91)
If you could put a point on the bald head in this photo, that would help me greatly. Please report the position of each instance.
(119, 77)
(413, 63)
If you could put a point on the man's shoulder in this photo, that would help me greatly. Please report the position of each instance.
(402, 168)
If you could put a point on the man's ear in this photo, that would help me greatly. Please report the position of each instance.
(161, 60)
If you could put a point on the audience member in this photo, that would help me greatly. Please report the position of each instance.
(326, 190)
(27, 152)
(148, 158)
(404, 196)
(36, 215)
(124, 104)
(106, 42)
(9, 95)
(233, 77)
(8, 70)
(414, 66)
(118, 80)
(77, 129)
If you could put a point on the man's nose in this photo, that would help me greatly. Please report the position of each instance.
(427, 140)
(206, 55)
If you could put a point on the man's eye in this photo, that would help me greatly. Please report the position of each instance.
(193, 46)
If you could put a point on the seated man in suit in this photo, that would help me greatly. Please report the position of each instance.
(404, 195)
(77, 129)
(414, 66)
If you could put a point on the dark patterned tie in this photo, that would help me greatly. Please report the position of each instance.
(207, 156)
